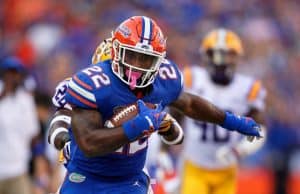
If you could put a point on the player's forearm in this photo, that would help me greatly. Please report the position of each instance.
(97, 142)
(58, 130)
(61, 139)
(199, 109)
(92, 137)
(203, 110)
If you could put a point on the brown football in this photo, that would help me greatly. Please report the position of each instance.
(124, 114)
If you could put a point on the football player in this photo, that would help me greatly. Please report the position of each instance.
(211, 153)
(102, 53)
(111, 160)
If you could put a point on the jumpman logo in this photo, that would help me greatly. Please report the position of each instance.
(136, 183)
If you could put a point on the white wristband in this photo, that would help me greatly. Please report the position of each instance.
(175, 141)
(56, 132)
(62, 118)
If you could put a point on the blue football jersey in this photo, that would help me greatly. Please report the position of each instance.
(97, 87)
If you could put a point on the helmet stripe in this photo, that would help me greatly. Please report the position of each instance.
(151, 28)
(221, 39)
(146, 30)
(143, 30)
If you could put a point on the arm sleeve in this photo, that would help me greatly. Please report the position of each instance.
(174, 78)
(81, 92)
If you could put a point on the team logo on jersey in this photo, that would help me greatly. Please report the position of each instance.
(76, 178)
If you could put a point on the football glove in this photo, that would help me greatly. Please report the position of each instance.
(243, 125)
(65, 153)
(146, 122)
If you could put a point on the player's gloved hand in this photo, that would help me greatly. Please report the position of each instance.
(147, 121)
(243, 125)
(227, 155)
(67, 150)
(166, 124)
(65, 153)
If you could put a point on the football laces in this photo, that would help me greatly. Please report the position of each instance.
(124, 113)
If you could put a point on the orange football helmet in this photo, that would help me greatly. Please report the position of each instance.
(138, 49)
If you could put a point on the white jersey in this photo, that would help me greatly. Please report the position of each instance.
(203, 139)
(18, 125)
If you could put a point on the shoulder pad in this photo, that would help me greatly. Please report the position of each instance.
(80, 91)
(58, 99)
(171, 78)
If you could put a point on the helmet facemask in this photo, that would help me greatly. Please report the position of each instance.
(137, 65)
(222, 49)
(221, 65)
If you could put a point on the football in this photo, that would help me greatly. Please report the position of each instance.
(128, 112)
(124, 114)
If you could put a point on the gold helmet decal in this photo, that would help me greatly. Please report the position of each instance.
(222, 39)
(102, 52)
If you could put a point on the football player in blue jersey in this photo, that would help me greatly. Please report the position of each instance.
(111, 159)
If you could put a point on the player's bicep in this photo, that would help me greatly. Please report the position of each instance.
(61, 118)
(183, 102)
(84, 123)
(58, 128)
(198, 108)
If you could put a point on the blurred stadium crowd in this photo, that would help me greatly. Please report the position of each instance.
(55, 38)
